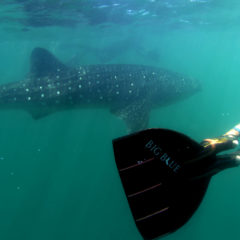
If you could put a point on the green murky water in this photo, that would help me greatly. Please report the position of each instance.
(58, 179)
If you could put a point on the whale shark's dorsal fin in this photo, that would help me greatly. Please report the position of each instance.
(43, 64)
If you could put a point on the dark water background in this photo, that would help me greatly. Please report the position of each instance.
(58, 178)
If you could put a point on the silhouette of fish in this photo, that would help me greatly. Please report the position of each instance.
(129, 91)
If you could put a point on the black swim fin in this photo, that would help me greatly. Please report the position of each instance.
(165, 175)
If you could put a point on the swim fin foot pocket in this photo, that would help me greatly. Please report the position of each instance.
(165, 175)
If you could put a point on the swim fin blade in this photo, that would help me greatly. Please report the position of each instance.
(159, 170)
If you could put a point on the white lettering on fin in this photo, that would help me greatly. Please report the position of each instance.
(163, 156)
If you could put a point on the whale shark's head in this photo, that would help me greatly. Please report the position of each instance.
(186, 86)
(173, 87)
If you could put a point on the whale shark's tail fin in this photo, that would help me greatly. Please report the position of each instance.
(43, 64)
(165, 175)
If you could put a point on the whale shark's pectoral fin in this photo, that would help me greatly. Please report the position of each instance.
(40, 113)
(136, 115)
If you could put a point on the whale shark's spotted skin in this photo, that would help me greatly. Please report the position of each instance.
(130, 91)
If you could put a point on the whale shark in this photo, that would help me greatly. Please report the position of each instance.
(129, 91)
